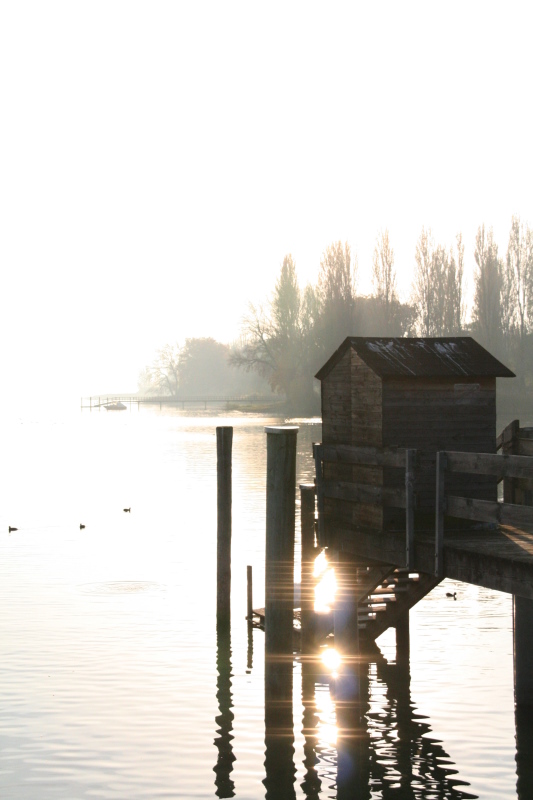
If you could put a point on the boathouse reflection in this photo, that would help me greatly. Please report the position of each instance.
(381, 743)
(361, 734)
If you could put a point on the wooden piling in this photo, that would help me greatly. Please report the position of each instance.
(523, 650)
(279, 564)
(440, 506)
(249, 595)
(345, 617)
(307, 604)
(410, 456)
(224, 446)
(402, 643)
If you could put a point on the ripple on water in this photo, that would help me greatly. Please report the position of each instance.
(120, 587)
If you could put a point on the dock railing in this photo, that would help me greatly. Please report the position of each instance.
(502, 467)
(405, 498)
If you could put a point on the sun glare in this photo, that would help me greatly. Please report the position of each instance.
(325, 591)
(331, 659)
(321, 564)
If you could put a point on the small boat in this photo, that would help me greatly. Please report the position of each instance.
(115, 406)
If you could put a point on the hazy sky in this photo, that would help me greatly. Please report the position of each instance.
(158, 160)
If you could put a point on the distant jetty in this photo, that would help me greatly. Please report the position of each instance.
(115, 401)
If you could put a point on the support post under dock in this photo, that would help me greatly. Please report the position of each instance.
(523, 650)
(402, 643)
(346, 630)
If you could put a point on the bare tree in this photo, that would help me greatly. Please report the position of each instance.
(273, 336)
(164, 372)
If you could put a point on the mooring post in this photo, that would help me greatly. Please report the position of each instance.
(224, 445)
(279, 569)
(307, 602)
(523, 650)
(249, 595)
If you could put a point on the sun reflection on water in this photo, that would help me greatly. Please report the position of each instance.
(325, 587)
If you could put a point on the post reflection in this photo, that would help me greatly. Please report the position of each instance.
(250, 648)
(225, 786)
(279, 733)
(311, 783)
(524, 752)
(405, 760)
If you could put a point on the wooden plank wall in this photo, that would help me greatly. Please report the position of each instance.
(435, 414)
(351, 414)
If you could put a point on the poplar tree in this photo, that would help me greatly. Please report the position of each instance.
(384, 279)
(336, 295)
(438, 286)
(487, 311)
(518, 280)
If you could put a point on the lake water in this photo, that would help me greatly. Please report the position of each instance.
(112, 682)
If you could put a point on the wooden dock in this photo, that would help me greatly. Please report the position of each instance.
(101, 401)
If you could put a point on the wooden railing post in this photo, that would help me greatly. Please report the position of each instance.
(510, 447)
(440, 507)
(410, 456)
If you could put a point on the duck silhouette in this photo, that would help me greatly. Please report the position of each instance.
(452, 594)
(127, 510)
(12, 529)
(81, 526)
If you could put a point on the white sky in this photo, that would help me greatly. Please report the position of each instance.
(158, 159)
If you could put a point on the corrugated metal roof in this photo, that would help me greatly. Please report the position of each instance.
(451, 356)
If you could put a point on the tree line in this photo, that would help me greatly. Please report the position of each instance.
(288, 339)
(201, 366)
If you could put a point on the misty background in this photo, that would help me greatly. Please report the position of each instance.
(159, 162)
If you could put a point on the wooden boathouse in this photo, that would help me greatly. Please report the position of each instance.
(424, 394)
(407, 480)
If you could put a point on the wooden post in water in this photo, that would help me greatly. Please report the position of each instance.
(346, 632)
(249, 595)
(523, 650)
(224, 444)
(402, 643)
(279, 569)
(346, 608)
(307, 603)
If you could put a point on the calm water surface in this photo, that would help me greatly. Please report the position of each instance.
(113, 683)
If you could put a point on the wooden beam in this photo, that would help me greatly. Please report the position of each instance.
(366, 456)
(501, 466)
(364, 493)
(495, 559)
(489, 511)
